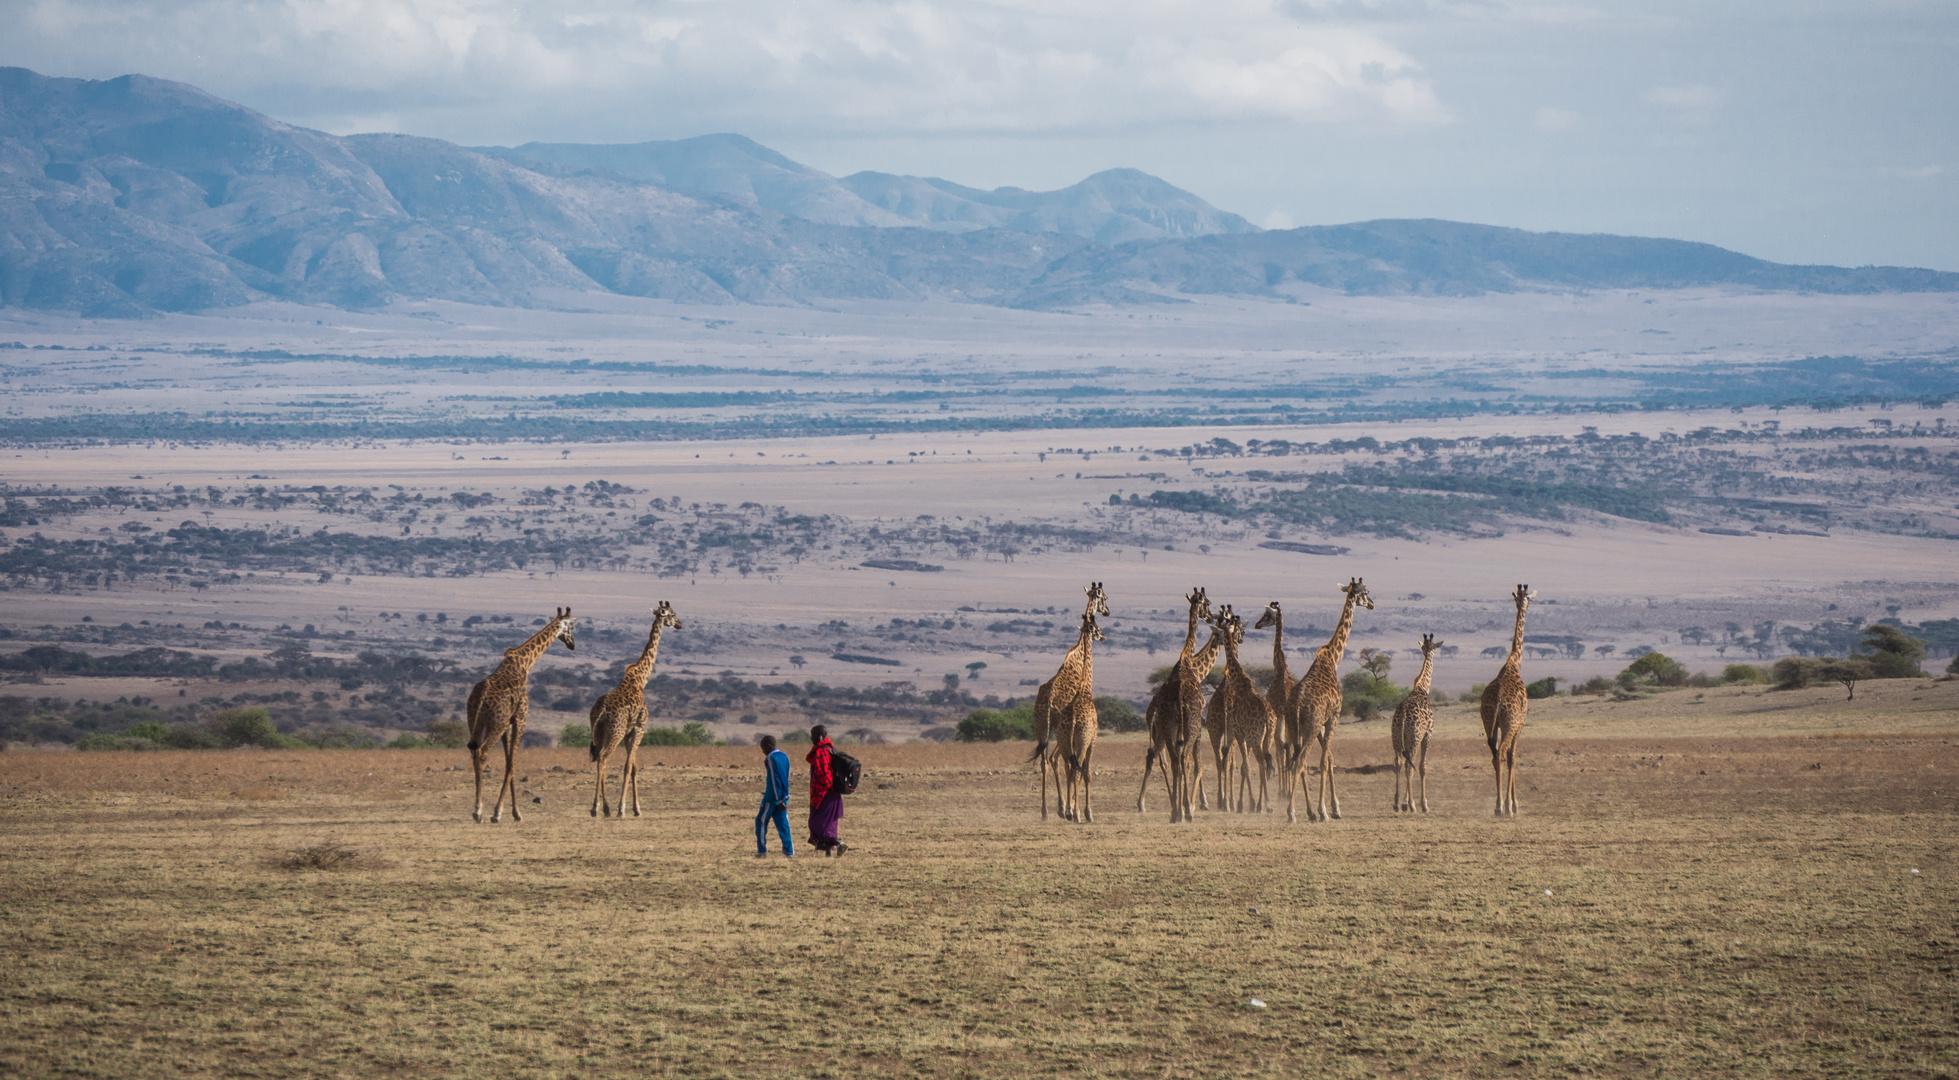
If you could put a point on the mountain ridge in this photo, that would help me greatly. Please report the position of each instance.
(127, 196)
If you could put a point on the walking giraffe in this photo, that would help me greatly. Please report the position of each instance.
(1046, 757)
(1414, 719)
(1314, 711)
(619, 716)
(499, 705)
(1504, 704)
(1278, 693)
(1076, 726)
(1175, 715)
(1248, 718)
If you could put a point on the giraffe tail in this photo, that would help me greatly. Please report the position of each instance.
(595, 749)
(1040, 751)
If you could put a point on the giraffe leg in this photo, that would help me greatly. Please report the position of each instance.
(1332, 793)
(598, 783)
(632, 766)
(1496, 765)
(1510, 773)
(477, 755)
(496, 812)
(1424, 774)
(1088, 812)
(1041, 763)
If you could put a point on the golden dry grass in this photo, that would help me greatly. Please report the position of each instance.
(1666, 906)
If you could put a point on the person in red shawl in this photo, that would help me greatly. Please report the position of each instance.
(825, 804)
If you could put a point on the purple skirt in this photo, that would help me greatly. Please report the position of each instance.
(823, 821)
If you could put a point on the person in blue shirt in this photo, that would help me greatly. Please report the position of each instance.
(775, 801)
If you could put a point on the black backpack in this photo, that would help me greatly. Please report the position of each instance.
(845, 771)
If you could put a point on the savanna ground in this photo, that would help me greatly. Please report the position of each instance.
(1766, 901)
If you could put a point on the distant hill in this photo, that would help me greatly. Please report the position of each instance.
(125, 196)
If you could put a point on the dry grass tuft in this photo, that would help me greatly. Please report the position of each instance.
(327, 856)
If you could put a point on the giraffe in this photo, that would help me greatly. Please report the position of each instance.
(1414, 718)
(1279, 692)
(1314, 711)
(499, 705)
(1248, 718)
(1075, 735)
(619, 716)
(1504, 702)
(1175, 713)
(1049, 761)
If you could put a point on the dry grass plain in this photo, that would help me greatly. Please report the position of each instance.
(1746, 904)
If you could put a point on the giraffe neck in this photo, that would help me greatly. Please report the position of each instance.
(1428, 671)
(1190, 632)
(1233, 671)
(1207, 658)
(1336, 646)
(526, 654)
(1279, 675)
(1517, 643)
(642, 669)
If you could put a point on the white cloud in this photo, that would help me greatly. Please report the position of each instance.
(1551, 118)
(835, 66)
(1278, 219)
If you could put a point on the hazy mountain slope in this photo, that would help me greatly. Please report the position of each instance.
(134, 194)
(725, 167)
(1111, 207)
(1443, 258)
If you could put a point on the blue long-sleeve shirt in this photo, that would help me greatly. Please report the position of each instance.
(778, 778)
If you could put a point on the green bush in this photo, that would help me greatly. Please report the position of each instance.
(1744, 673)
(1115, 714)
(149, 729)
(1653, 669)
(342, 737)
(1474, 694)
(246, 727)
(408, 741)
(1797, 672)
(448, 734)
(191, 737)
(798, 737)
(576, 736)
(694, 733)
(1597, 684)
(102, 741)
(1542, 688)
(1953, 668)
(1364, 697)
(1893, 654)
(986, 725)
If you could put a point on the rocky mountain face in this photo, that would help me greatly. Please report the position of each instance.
(131, 195)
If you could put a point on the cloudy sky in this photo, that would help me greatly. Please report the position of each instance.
(1795, 130)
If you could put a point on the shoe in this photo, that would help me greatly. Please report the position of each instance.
(761, 854)
(841, 848)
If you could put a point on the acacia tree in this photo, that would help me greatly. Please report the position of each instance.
(1894, 654)
(1849, 672)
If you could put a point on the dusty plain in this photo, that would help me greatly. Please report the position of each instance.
(1750, 903)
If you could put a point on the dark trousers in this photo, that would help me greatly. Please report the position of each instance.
(778, 813)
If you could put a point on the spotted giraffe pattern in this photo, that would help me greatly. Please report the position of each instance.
(1175, 716)
(1314, 712)
(1047, 756)
(619, 717)
(499, 705)
(1414, 719)
(1248, 719)
(1504, 705)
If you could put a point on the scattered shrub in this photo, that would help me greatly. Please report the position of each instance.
(1542, 688)
(409, 741)
(245, 727)
(148, 729)
(535, 740)
(693, 733)
(1597, 684)
(100, 741)
(986, 725)
(1744, 673)
(1653, 669)
(1115, 714)
(1953, 668)
(1364, 696)
(576, 736)
(799, 737)
(448, 734)
(1474, 694)
(1893, 655)
(1796, 672)
(191, 737)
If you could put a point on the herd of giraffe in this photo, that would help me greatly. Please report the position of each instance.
(1272, 731)
(1269, 732)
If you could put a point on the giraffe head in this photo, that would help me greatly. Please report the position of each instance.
(1357, 593)
(1522, 598)
(1270, 618)
(1429, 645)
(1098, 600)
(1089, 630)
(664, 618)
(565, 621)
(1230, 625)
(1200, 603)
